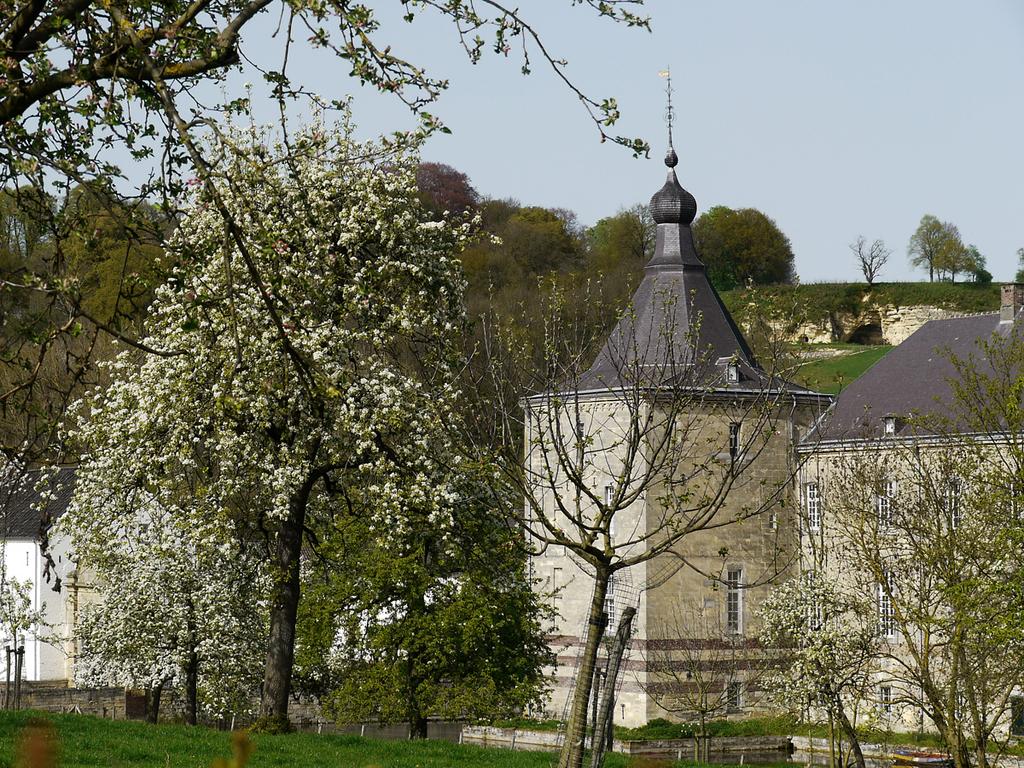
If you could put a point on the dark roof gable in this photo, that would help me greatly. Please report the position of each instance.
(21, 513)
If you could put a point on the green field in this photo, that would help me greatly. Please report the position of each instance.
(90, 742)
(833, 374)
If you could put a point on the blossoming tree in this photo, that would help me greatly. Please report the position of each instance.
(286, 394)
(175, 609)
(828, 645)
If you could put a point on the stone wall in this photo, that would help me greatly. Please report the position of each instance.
(113, 703)
(771, 747)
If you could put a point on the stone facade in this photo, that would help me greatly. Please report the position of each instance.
(691, 579)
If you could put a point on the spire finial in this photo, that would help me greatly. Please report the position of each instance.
(671, 159)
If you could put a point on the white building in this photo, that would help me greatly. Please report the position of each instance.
(45, 573)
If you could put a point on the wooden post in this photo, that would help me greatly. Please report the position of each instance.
(7, 684)
(19, 664)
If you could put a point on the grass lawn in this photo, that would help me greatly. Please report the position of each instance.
(832, 374)
(91, 742)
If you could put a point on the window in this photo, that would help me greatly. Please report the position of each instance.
(885, 503)
(889, 423)
(885, 699)
(734, 442)
(773, 519)
(814, 612)
(733, 373)
(954, 501)
(581, 439)
(734, 696)
(886, 617)
(812, 503)
(1017, 716)
(609, 497)
(734, 600)
(556, 588)
(609, 602)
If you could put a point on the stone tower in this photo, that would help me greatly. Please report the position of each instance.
(714, 505)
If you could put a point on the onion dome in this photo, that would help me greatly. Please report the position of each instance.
(672, 204)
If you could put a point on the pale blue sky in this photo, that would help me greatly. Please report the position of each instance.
(834, 118)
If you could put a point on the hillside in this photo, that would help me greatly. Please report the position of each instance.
(839, 330)
(818, 299)
(851, 312)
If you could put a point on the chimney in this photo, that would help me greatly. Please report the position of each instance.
(1013, 300)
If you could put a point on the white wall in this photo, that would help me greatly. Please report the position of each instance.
(45, 657)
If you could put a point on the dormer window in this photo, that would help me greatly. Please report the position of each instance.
(890, 424)
(733, 372)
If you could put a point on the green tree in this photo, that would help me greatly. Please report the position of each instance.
(518, 246)
(976, 265)
(649, 437)
(627, 238)
(114, 254)
(744, 245)
(295, 395)
(1019, 277)
(936, 246)
(540, 241)
(438, 620)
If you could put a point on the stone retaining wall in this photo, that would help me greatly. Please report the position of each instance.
(549, 741)
(113, 703)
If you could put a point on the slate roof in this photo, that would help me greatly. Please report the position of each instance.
(678, 330)
(20, 515)
(914, 377)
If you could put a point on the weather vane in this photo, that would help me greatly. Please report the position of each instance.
(669, 113)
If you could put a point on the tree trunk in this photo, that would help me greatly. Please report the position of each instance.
(703, 736)
(417, 719)
(851, 734)
(284, 610)
(192, 689)
(831, 740)
(153, 696)
(417, 608)
(576, 727)
(603, 721)
(962, 754)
